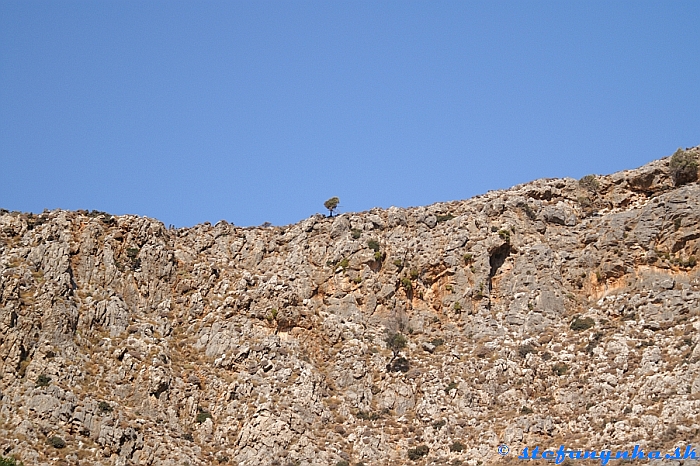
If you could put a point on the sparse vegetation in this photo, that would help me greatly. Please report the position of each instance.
(406, 283)
(57, 442)
(468, 258)
(331, 204)
(272, 316)
(505, 235)
(580, 324)
(444, 218)
(457, 446)
(560, 368)
(373, 244)
(526, 349)
(589, 183)
(419, 452)
(104, 407)
(585, 202)
(202, 415)
(683, 167)
(9, 462)
(395, 342)
(355, 233)
(43, 380)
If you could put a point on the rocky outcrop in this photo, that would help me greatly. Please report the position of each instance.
(557, 312)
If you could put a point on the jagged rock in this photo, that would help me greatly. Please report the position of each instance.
(529, 316)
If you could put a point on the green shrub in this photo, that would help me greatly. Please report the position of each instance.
(585, 202)
(589, 183)
(468, 258)
(378, 256)
(505, 235)
(457, 306)
(419, 452)
(272, 316)
(373, 245)
(406, 283)
(202, 416)
(683, 167)
(437, 425)
(344, 263)
(356, 233)
(414, 274)
(43, 380)
(457, 446)
(398, 263)
(526, 410)
(9, 462)
(437, 342)
(560, 368)
(451, 386)
(104, 407)
(579, 324)
(57, 442)
(444, 218)
(395, 341)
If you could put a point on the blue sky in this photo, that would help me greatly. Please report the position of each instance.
(255, 111)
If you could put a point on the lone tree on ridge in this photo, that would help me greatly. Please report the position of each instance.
(331, 204)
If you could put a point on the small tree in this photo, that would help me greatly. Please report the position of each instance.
(331, 204)
(395, 342)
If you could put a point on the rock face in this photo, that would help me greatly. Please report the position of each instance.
(556, 312)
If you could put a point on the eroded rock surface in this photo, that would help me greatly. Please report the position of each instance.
(555, 312)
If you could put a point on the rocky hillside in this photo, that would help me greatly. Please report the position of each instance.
(559, 311)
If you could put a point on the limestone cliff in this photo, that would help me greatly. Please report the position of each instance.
(559, 311)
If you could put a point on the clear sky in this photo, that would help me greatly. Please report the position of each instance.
(254, 111)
